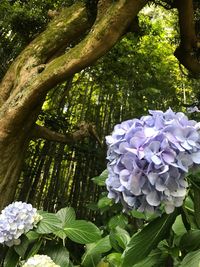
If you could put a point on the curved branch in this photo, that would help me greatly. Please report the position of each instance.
(85, 130)
(185, 53)
(66, 28)
(104, 34)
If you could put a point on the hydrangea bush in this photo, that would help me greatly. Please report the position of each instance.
(40, 261)
(16, 219)
(149, 158)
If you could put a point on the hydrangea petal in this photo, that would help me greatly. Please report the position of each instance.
(153, 198)
(196, 157)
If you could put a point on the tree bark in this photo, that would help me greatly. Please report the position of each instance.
(185, 53)
(45, 63)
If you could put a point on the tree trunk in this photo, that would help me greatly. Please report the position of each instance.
(11, 158)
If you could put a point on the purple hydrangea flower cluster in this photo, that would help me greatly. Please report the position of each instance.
(16, 219)
(149, 158)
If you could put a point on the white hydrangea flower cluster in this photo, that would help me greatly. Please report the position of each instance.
(40, 261)
(16, 219)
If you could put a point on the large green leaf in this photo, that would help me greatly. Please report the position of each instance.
(49, 223)
(59, 255)
(192, 259)
(143, 242)
(66, 215)
(94, 249)
(155, 259)
(82, 232)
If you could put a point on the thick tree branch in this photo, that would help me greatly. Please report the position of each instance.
(69, 25)
(103, 35)
(85, 130)
(185, 53)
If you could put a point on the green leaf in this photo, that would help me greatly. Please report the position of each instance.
(118, 220)
(94, 249)
(154, 259)
(147, 239)
(178, 226)
(190, 240)
(66, 215)
(32, 235)
(61, 234)
(82, 232)
(114, 259)
(49, 223)
(100, 180)
(104, 202)
(121, 236)
(34, 250)
(22, 247)
(11, 258)
(59, 255)
(138, 215)
(192, 259)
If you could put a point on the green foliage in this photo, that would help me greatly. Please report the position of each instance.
(192, 259)
(94, 251)
(59, 255)
(82, 232)
(190, 241)
(49, 223)
(11, 258)
(118, 220)
(119, 238)
(144, 241)
(100, 180)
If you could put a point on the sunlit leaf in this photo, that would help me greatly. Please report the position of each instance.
(114, 259)
(66, 215)
(82, 232)
(49, 223)
(192, 259)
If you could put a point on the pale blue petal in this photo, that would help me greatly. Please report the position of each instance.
(153, 198)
